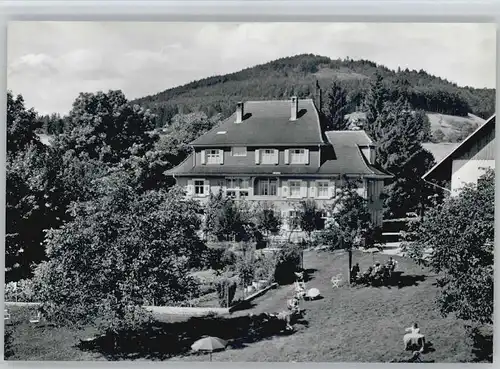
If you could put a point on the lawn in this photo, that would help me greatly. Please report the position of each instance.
(358, 324)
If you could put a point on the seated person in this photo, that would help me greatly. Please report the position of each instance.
(293, 304)
(376, 268)
(414, 337)
(391, 263)
(354, 272)
(414, 329)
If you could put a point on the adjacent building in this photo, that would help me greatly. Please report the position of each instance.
(277, 151)
(467, 162)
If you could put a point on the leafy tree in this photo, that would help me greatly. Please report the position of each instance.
(267, 218)
(309, 217)
(21, 125)
(335, 108)
(27, 209)
(227, 220)
(456, 239)
(105, 127)
(350, 221)
(120, 252)
(183, 129)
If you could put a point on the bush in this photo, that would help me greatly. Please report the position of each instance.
(23, 291)
(287, 263)
(266, 267)
(226, 289)
(218, 258)
(245, 267)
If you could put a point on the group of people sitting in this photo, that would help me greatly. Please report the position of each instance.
(374, 275)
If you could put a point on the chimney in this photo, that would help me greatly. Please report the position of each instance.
(294, 108)
(239, 112)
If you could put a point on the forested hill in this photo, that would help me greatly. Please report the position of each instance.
(297, 75)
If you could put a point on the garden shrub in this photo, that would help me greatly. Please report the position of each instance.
(23, 290)
(218, 258)
(245, 267)
(288, 261)
(226, 290)
(265, 267)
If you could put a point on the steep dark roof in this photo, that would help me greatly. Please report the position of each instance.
(267, 123)
(442, 170)
(347, 160)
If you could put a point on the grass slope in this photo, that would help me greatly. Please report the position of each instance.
(359, 324)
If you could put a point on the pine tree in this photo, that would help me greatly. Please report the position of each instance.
(374, 103)
(335, 108)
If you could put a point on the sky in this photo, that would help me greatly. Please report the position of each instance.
(49, 63)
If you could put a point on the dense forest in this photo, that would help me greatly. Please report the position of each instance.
(297, 75)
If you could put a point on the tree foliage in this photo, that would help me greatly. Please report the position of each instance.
(296, 75)
(21, 125)
(335, 108)
(267, 218)
(399, 131)
(121, 251)
(456, 239)
(309, 217)
(350, 220)
(228, 220)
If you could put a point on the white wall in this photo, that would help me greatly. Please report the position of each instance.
(468, 171)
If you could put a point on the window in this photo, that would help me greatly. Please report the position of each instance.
(239, 151)
(199, 188)
(267, 187)
(232, 183)
(237, 187)
(322, 189)
(268, 156)
(298, 156)
(294, 188)
(214, 156)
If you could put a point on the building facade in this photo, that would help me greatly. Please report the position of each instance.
(467, 162)
(277, 152)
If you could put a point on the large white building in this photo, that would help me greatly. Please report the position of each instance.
(467, 162)
(277, 151)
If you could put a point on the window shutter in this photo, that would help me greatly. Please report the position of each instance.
(287, 156)
(257, 156)
(206, 188)
(203, 157)
(221, 154)
(190, 188)
(331, 189)
(313, 189)
(303, 189)
(284, 189)
(276, 157)
(306, 153)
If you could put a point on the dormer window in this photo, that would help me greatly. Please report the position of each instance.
(299, 156)
(212, 156)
